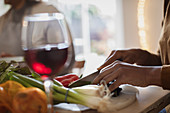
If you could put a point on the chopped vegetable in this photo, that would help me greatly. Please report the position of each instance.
(93, 96)
(67, 79)
(88, 95)
(57, 82)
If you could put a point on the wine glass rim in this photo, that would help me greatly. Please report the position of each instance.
(44, 17)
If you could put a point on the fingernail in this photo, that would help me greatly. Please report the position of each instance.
(99, 68)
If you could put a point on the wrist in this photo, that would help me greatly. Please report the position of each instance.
(154, 77)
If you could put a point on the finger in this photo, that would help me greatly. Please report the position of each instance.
(107, 71)
(101, 76)
(112, 76)
(116, 55)
(115, 85)
(110, 66)
(129, 60)
(110, 54)
(118, 71)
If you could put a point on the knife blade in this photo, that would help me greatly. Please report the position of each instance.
(85, 80)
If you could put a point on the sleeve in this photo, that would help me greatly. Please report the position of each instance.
(165, 77)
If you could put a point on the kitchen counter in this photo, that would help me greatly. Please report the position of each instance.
(149, 100)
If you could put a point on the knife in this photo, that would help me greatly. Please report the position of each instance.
(85, 80)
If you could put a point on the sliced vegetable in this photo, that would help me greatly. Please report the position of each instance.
(67, 79)
(57, 82)
(90, 95)
(93, 96)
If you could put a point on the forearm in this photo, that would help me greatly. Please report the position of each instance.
(165, 77)
(160, 76)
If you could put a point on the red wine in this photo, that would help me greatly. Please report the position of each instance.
(47, 60)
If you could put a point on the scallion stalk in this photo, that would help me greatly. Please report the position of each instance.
(89, 95)
(24, 83)
(29, 80)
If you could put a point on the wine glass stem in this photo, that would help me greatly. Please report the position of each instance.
(48, 89)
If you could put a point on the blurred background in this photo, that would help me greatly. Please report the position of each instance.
(99, 26)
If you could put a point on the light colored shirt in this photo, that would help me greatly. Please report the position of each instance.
(165, 50)
(11, 27)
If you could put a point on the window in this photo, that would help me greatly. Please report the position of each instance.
(96, 25)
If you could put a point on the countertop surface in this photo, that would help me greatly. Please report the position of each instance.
(149, 100)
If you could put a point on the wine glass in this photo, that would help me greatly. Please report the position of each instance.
(45, 43)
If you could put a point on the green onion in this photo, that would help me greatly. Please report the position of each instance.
(24, 83)
(92, 96)
(57, 82)
(29, 80)
(88, 95)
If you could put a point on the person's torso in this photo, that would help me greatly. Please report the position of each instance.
(165, 39)
(11, 29)
(11, 26)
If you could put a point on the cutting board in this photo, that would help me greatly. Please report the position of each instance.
(126, 98)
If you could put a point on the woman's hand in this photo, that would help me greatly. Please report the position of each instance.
(125, 73)
(133, 56)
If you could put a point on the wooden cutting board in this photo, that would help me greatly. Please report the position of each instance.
(149, 100)
(126, 98)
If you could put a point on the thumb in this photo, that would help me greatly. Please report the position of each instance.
(103, 65)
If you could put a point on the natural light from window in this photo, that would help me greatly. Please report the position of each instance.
(95, 24)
